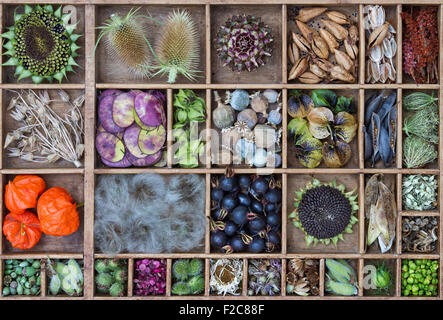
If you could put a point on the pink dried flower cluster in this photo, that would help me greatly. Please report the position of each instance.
(150, 277)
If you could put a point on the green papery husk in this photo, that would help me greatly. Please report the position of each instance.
(308, 150)
(324, 98)
(345, 126)
(417, 152)
(336, 154)
(424, 124)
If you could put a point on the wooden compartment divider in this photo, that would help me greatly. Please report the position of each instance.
(209, 82)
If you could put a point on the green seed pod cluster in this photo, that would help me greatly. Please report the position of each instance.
(41, 44)
(419, 277)
(111, 277)
(21, 277)
(188, 276)
(65, 277)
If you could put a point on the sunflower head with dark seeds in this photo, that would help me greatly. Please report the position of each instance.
(324, 212)
(41, 44)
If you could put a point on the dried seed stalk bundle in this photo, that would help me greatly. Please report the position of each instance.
(43, 135)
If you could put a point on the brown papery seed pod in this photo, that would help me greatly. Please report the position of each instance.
(301, 42)
(309, 77)
(330, 40)
(306, 14)
(337, 17)
(320, 47)
(293, 52)
(337, 30)
(299, 67)
(353, 33)
(343, 59)
(338, 73)
(378, 35)
(351, 49)
(315, 69)
(324, 64)
(306, 30)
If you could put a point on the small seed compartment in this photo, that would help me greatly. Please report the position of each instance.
(21, 277)
(61, 234)
(419, 277)
(226, 276)
(238, 52)
(111, 277)
(420, 129)
(420, 193)
(379, 277)
(149, 277)
(264, 277)
(341, 277)
(178, 42)
(65, 277)
(381, 213)
(245, 213)
(380, 128)
(323, 212)
(302, 277)
(247, 128)
(323, 44)
(420, 234)
(57, 31)
(131, 128)
(43, 129)
(169, 210)
(322, 128)
(188, 277)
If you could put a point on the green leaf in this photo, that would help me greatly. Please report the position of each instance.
(292, 215)
(324, 98)
(8, 45)
(49, 8)
(72, 62)
(345, 104)
(37, 79)
(58, 76)
(74, 47)
(58, 12)
(74, 37)
(24, 74)
(66, 17)
(8, 35)
(28, 9)
(18, 70)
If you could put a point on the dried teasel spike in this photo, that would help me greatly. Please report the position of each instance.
(343, 59)
(315, 69)
(306, 30)
(339, 73)
(309, 77)
(337, 17)
(351, 49)
(329, 38)
(337, 30)
(320, 47)
(299, 67)
(378, 35)
(306, 14)
(301, 42)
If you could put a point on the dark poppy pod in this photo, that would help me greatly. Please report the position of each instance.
(239, 215)
(244, 181)
(237, 244)
(257, 245)
(227, 183)
(218, 239)
(244, 199)
(229, 202)
(217, 194)
(273, 195)
(230, 228)
(256, 206)
(260, 186)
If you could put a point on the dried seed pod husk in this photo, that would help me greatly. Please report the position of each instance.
(368, 71)
(337, 30)
(306, 14)
(339, 73)
(351, 49)
(353, 33)
(320, 47)
(293, 53)
(330, 40)
(377, 36)
(337, 17)
(306, 30)
(324, 64)
(299, 67)
(343, 59)
(315, 69)
(301, 42)
(309, 77)
(390, 212)
(345, 126)
(336, 155)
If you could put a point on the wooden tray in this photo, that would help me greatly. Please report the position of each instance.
(94, 75)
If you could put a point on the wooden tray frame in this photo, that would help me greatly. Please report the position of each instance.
(89, 171)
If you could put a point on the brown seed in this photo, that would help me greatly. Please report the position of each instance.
(306, 14)
(324, 64)
(353, 33)
(315, 69)
(306, 30)
(337, 17)
(293, 52)
(320, 47)
(309, 77)
(330, 40)
(338, 73)
(343, 59)
(337, 30)
(299, 67)
(301, 42)
(351, 49)
(378, 35)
